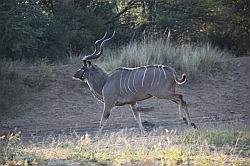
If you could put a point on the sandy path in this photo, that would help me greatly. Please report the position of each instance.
(66, 105)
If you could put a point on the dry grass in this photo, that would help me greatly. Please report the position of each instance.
(193, 60)
(161, 147)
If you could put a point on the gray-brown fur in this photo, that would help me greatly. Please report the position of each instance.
(129, 85)
(135, 84)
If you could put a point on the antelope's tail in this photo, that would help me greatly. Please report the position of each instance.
(182, 80)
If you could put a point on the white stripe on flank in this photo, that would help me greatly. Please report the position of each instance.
(134, 81)
(159, 74)
(124, 84)
(144, 76)
(153, 78)
(162, 67)
(129, 80)
(121, 92)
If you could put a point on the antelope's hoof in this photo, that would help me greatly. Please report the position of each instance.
(193, 125)
(144, 134)
(148, 124)
(185, 121)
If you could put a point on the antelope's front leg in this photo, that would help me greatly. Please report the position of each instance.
(105, 116)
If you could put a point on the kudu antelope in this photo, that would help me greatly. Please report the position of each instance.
(129, 85)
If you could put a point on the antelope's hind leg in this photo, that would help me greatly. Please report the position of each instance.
(178, 99)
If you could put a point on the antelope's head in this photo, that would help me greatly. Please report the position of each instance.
(83, 73)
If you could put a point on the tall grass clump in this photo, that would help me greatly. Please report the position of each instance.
(10, 147)
(19, 80)
(192, 59)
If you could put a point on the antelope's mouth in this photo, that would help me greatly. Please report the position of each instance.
(78, 79)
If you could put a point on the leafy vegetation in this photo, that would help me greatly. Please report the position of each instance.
(57, 29)
(217, 146)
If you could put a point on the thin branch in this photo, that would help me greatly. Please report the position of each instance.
(129, 6)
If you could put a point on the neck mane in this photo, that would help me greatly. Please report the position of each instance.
(96, 80)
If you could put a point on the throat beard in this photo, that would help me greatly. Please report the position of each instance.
(95, 93)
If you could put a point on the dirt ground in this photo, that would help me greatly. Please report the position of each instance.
(66, 105)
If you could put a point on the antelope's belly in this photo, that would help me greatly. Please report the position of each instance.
(122, 100)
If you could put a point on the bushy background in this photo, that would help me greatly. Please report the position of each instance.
(53, 29)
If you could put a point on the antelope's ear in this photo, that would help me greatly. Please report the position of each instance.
(84, 63)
